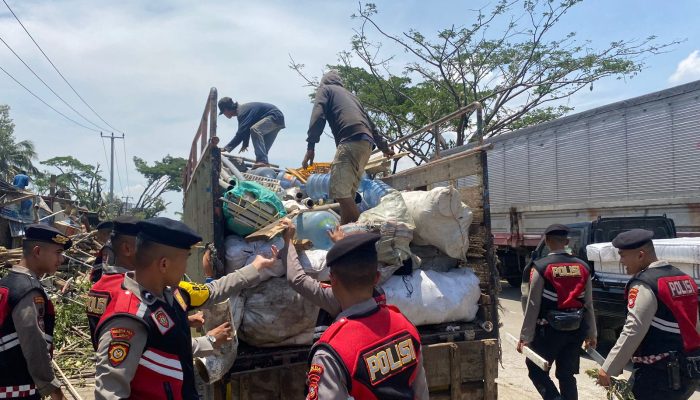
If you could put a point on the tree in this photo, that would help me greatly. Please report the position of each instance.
(163, 176)
(14, 156)
(510, 59)
(82, 181)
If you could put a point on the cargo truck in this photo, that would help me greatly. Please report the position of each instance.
(634, 158)
(460, 358)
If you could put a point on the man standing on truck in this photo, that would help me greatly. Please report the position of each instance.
(350, 357)
(259, 122)
(27, 318)
(558, 316)
(661, 334)
(144, 346)
(355, 136)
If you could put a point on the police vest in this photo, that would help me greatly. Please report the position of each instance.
(108, 287)
(565, 279)
(15, 381)
(166, 368)
(379, 351)
(673, 325)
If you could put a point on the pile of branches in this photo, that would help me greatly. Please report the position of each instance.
(619, 389)
(73, 350)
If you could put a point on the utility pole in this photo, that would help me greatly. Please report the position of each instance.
(111, 167)
(125, 205)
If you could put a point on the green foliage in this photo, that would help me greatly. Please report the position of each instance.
(14, 156)
(521, 72)
(81, 181)
(163, 176)
(620, 389)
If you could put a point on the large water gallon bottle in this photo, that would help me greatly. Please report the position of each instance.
(265, 172)
(314, 225)
(317, 186)
(372, 192)
(288, 180)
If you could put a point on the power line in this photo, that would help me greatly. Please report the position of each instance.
(59, 72)
(47, 104)
(46, 84)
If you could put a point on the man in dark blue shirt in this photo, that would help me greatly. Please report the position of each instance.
(260, 122)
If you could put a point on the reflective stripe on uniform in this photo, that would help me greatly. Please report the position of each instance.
(10, 392)
(141, 310)
(549, 295)
(9, 341)
(664, 325)
(162, 365)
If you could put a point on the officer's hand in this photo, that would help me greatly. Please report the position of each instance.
(308, 158)
(261, 262)
(207, 265)
(196, 320)
(336, 234)
(520, 346)
(57, 395)
(222, 333)
(603, 378)
(290, 231)
(590, 343)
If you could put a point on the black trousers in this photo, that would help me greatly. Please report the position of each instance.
(561, 348)
(651, 382)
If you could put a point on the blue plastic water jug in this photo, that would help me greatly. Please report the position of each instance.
(314, 226)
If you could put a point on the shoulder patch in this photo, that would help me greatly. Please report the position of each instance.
(38, 300)
(313, 378)
(118, 350)
(162, 320)
(121, 333)
(632, 297)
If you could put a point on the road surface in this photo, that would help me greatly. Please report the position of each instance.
(513, 383)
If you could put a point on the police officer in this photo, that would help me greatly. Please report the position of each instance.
(350, 357)
(144, 341)
(123, 241)
(661, 333)
(106, 254)
(558, 316)
(319, 293)
(27, 318)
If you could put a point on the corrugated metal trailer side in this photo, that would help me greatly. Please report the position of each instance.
(636, 157)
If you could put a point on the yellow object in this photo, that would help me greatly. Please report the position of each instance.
(198, 292)
(316, 168)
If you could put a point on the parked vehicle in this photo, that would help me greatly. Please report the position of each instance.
(633, 158)
(461, 359)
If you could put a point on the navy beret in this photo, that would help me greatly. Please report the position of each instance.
(632, 239)
(126, 225)
(105, 225)
(47, 234)
(168, 232)
(357, 242)
(556, 229)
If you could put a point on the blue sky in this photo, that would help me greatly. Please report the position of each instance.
(147, 67)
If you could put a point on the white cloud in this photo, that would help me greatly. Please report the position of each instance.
(688, 69)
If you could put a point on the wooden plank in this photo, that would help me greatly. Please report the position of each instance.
(490, 369)
(285, 382)
(469, 391)
(434, 172)
(438, 370)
